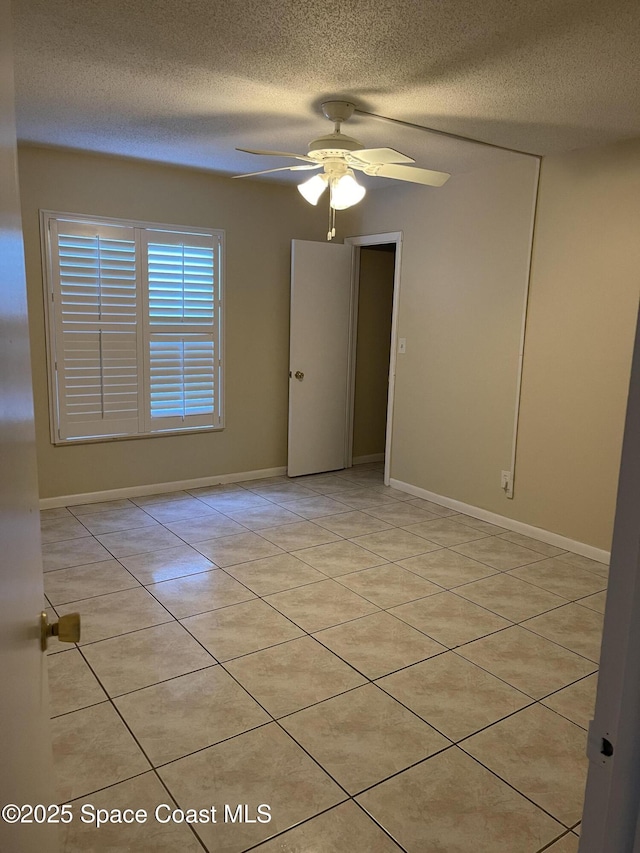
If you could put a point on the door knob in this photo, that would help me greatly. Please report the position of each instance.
(299, 375)
(66, 629)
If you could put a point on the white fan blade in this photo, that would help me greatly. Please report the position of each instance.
(381, 155)
(409, 173)
(275, 153)
(279, 169)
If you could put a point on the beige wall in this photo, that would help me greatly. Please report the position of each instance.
(259, 219)
(375, 303)
(462, 281)
(464, 269)
(582, 316)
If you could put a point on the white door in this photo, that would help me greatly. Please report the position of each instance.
(318, 356)
(611, 817)
(25, 748)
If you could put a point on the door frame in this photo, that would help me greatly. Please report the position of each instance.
(357, 243)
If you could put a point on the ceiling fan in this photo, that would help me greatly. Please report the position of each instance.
(338, 155)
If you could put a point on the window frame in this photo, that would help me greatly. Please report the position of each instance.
(144, 326)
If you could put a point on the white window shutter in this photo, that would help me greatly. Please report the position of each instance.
(96, 314)
(182, 272)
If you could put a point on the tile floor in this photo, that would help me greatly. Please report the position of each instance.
(384, 673)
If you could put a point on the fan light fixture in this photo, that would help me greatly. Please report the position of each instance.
(344, 191)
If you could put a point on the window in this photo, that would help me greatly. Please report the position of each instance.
(134, 327)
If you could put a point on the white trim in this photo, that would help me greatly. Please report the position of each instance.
(356, 243)
(510, 523)
(373, 457)
(523, 332)
(158, 488)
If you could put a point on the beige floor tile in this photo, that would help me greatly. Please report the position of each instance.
(479, 524)
(343, 828)
(320, 605)
(87, 581)
(303, 534)
(241, 629)
(449, 619)
(261, 766)
(396, 544)
(124, 543)
(576, 702)
(173, 511)
(533, 544)
(576, 628)
(499, 553)
(218, 489)
(378, 644)
(595, 602)
(445, 531)
(401, 513)
(316, 507)
(363, 736)
(446, 568)
(112, 520)
(542, 755)
(189, 713)
(233, 501)
(72, 685)
(72, 552)
(240, 548)
(339, 558)
(205, 527)
(101, 506)
(584, 563)
(274, 574)
(355, 523)
(145, 657)
(567, 844)
(143, 792)
(281, 492)
(92, 748)
(115, 613)
(167, 564)
(55, 512)
(293, 675)
(561, 579)
(388, 585)
(453, 695)
(320, 483)
(362, 498)
(260, 517)
(436, 509)
(510, 597)
(60, 528)
(527, 662)
(198, 593)
(451, 804)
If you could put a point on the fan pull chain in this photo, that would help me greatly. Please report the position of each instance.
(331, 233)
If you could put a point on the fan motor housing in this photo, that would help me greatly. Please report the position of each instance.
(333, 145)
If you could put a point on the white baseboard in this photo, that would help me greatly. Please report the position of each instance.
(373, 457)
(502, 521)
(158, 488)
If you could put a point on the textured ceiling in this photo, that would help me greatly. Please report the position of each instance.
(185, 81)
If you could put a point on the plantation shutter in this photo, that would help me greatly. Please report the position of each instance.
(96, 323)
(182, 274)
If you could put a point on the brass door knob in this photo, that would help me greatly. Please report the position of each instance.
(299, 375)
(66, 629)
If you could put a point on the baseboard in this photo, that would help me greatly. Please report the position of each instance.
(373, 457)
(502, 521)
(158, 488)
